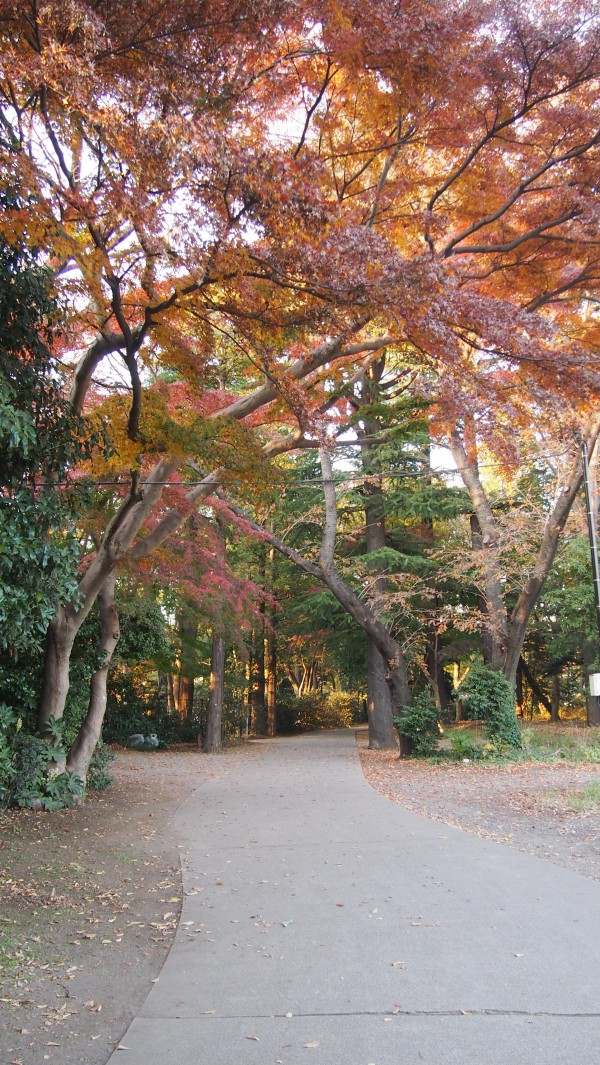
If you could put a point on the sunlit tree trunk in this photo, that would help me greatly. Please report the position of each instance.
(183, 681)
(271, 659)
(214, 724)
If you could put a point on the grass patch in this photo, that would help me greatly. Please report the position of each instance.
(581, 801)
(15, 951)
(559, 743)
(539, 744)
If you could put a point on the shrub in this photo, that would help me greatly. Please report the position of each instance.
(315, 711)
(24, 764)
(31, 787)
(490, 697)
(98, 777)
(338, 710)
(10, 725)
(420, 725)
(463, 746)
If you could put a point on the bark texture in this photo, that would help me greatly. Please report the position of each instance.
(89, 734)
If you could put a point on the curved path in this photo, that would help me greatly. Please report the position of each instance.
(325, 925)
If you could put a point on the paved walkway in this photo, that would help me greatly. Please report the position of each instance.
(325, 925)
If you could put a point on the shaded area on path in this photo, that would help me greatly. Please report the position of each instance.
(321, 919)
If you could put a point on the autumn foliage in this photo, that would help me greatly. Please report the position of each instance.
(245, 203)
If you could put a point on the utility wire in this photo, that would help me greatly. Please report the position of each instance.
(306, 481)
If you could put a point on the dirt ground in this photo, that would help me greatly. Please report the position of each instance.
(90, 898)
(521, 804)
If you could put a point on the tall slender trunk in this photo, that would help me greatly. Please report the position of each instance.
(436, 673)
(213, 740)
(170, 694)
(183, 681)
(382, 734)
(89, 734)
(271, 659)
(259, 709)
(259, 703)
(555, 698)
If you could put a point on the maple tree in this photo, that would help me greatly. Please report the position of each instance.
(303, 192)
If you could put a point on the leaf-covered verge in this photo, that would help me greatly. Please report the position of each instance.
(545, 807)
(89, 901)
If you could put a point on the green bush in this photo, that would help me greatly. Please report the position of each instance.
(489, 697)
(98, 777)
(463, 746)
(315, 711)
(419, 724)
(31, 787)
(338, 710)
(10, 726)
(24, 764)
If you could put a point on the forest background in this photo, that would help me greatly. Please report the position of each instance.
(298, 353)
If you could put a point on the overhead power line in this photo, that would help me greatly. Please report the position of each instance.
(312, 481)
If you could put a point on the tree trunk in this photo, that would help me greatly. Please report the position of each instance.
(436, 673)
(212, 740)
(535, 688)
(271, 683)
(490, 601)
(90, 731)
(271, 654)
(55, 685)
(183, 682)
(118, 538)
(170, 693)
(555, 698)
(510, 633)
(382, 735)
(519, 689)
(259, 709)
(395, 664)
(183, 689)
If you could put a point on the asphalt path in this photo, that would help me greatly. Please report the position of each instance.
(323, 924)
